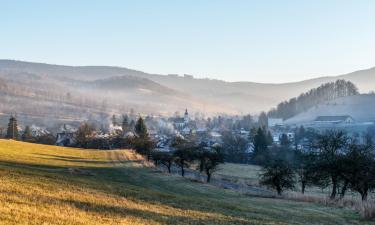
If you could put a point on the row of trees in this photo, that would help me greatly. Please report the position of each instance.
(305, 101)
(337, 161)
(188, 154)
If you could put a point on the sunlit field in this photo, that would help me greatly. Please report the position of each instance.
(55, 185)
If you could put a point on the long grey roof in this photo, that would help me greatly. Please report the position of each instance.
(332, 118)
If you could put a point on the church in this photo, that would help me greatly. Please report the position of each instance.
(182, 123)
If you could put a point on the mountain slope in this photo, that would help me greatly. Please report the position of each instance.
(54, 185)
(211, 95)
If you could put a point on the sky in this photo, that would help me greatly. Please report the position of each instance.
(233, 40)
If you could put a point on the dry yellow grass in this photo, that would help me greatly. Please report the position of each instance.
(116, 187)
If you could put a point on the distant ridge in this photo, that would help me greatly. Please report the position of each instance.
(204, 94)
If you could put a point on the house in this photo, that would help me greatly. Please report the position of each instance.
(66, 136)
(65, 139)
(334, 120)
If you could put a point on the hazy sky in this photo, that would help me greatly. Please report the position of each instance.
(264, 41)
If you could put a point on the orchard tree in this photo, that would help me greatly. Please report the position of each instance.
(209, 159)
(332, 146)
(278, 175)
(184, 154)
(163, 158)
(359, 168)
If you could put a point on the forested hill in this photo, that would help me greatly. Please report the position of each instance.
(325, 92)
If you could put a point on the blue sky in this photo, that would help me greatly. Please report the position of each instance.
(233, 40)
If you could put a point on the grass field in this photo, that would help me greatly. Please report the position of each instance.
(249, 173)
(54, 185)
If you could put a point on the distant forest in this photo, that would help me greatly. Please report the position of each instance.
(305, 101)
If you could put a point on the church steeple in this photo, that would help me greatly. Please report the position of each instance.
(186, 117)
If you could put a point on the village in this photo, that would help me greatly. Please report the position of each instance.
(201, 130)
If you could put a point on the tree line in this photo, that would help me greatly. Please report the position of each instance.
(315, 96)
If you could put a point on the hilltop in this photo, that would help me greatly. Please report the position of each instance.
(49, 184)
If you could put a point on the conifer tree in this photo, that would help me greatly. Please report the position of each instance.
(12, 131)
(140, 128)
(114, 120)
(125, 123)
(27, 136)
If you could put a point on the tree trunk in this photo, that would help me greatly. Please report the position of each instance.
(208, 176)
(344, 188)
(334, 188)
(182, 171)
(278, 189)
(169, 168)
(303, 187)
(364, 194)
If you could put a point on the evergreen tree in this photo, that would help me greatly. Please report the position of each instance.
(114, 120)
(27, 136)
(269, 138)
(263, 120)
(284, 140)
(141, 128)
(260, 153)
(12, 131)
(132, 125)
(125, 123)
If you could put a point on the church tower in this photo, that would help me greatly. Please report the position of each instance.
(186, 118)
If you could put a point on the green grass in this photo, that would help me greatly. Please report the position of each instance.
(54, 185)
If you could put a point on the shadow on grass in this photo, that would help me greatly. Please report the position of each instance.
(74, 159)
(141, 185)
(138, 184)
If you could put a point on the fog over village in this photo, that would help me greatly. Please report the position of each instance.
(189, 112)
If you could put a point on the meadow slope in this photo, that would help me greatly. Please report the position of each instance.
(54, 185)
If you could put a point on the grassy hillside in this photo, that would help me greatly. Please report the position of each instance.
(55, 185)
